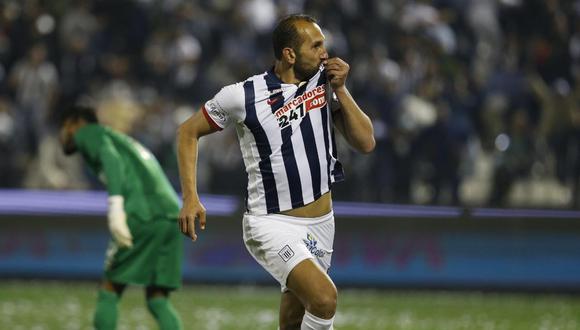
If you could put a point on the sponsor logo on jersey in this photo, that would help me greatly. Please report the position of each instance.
(299, 106)
(273, 100)
(272, 92)
(311, 243)
(212, 108)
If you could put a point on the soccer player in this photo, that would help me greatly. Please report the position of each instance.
(284, 119)
(147, 247)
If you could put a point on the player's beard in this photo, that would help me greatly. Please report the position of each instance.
(302, 70)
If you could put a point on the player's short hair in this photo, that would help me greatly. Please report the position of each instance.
(286, 35)
(79, 112)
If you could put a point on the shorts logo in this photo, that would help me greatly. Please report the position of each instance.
(311, 243)
(286, 253)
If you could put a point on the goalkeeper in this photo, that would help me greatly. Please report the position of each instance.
(146, 248)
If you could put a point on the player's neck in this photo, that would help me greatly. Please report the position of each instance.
(286, 73)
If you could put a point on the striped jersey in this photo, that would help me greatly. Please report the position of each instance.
(286, 137)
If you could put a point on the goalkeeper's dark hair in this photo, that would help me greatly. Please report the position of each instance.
(79, 112)
(286, 35)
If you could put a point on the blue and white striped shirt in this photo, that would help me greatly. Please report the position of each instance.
(286, 137)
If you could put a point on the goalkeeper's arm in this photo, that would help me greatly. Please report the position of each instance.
(117, 220)
(116, 216)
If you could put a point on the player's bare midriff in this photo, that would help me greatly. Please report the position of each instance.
(318, 208)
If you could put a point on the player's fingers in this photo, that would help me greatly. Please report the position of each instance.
(191, 227)
(330, 69)
(127, 242)
(332, 73)
(128, 234)
(202, 220)
(341, 69)
(183, 225)
(332, 65)
(335, 61)
(336, 68)
(331, 60)
(185, 222)
(123, 241)
(339, 60)
(128, 238)
(335, 76)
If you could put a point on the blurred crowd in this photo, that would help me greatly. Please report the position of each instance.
(474, 102)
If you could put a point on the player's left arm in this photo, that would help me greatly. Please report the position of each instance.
(110, 160)
(113, 171)
(94, 145)
(350, 120)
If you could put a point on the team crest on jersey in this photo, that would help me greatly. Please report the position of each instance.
(298, 107)
(311, 243)
(286, 253)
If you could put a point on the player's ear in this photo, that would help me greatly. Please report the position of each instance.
(289, 55)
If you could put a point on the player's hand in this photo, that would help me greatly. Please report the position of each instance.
(336, 71)
(191, 210)
(117, 220)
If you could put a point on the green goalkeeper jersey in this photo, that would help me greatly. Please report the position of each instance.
(129, 170)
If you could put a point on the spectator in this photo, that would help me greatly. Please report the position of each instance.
(141, 61)
(34, 81)
(514, 157)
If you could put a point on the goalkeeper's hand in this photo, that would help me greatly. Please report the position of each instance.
(118, 222)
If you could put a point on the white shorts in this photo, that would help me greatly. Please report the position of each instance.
(279, 242)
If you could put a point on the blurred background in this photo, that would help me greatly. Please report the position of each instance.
(474, 183)
(474, 102)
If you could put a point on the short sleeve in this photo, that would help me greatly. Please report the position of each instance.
(98, 148)
(225, 107)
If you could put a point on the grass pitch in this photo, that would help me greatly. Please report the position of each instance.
(51, 305)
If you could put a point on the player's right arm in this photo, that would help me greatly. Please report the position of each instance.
(94, 144)
(217, 113)
(188, 136)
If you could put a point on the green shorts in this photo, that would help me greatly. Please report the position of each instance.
(155, 258)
